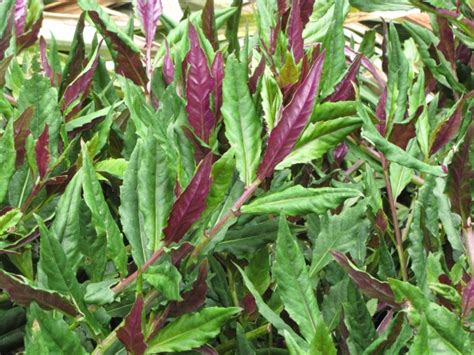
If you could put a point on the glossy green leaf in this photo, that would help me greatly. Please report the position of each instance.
(166, 279)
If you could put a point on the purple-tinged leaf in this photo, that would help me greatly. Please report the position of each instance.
(194, 298)
(131, 334)
(168, 66)
(21, 7)
(77, 91)
(381, 114)
(44, 60)
(128, 62)
(463, 53)
(206, 349)
(258, 72)
(158, 323)
(282, 7)
(345, 90)
(21, 130)
(190, 204)
(448, 130)
(218, 75)
(468, 298)
(5, 40)
(292, 122)
(177, 255)
(367, 64)
(29, 38)
(340, 152)
(446, 42)
(208, 21)
(402, 133)
(199, 86)
(23, 294)
(295, 32)
(461, 176)
(365, 282)
(42, 152)
(306, 10)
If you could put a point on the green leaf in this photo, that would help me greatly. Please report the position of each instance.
(272, 99)
(9, 220)
(191, 330)
(104, 223)
(222, 174)
(48, 333)
(337, 233)
(322, 343)
(297, 200)
(166, 279)
(291, 274)
(391, 151)
(267, 312)
(114, 167)
(258, 270)
(7, 159)
(242, 125)
(331, 110)
(318, 138)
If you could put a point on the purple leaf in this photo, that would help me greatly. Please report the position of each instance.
(446, 43)
(256, 75)
(209, 23)
(468, 298)
(340, 152)
(21, 131)
(190, 204)
(127, 61)
(199, 86)
(218, 75)
(293, 119)
(44, 60)
(23, 294)
(194, 298)
(380, 112)
(177, 255)
(366, 283)
(306, 10)
(367, 64)
(21, 7)
(460, 178)
(131, 334)
(282, 7)
(206, 349)
(29, 38)
(345, 90)
(402, 133)
(168, 66)
(78, 90)
(42, 152)
(448, 130)
(5, 40)
(295, 32)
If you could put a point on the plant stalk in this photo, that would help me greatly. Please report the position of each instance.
(264, 329)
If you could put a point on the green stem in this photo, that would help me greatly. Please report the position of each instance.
(253, 334)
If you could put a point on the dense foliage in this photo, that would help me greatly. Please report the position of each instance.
(305, 189)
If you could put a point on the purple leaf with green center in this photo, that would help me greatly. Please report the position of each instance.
(295, 32)
(42, 152)
(131, 334)
(199, 86)
(345, 90)
(44, 60)
(294, 118)
(21, 7)
(218, 75)
(449, 129)
(366, 283)
(190, 204)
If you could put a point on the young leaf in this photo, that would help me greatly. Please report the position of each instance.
(242, 126)
(42, 152)
(199, 86)
(293, 120)
(448, 130)
(191, 330)
(7, 159)
(209, 23)
(168, 66)
(294, 284)
(295, 31)
(131, 334)
(44, 60)
(345, 90)
(217, 70)
(190, 204)
(298, 200)
(21, 8)
(166, 279)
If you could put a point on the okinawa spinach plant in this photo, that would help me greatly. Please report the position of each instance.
(304, 189)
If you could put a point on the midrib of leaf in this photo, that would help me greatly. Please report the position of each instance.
(315, 267)
(305, 302)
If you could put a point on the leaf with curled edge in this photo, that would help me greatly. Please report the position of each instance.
(365, 282)
(295, 32)
(42, 152)
(77, 91)
(23, 294)
(218, 75)
(208, 20)
(131, 334)
(21, 7)
(125, 53)
(199, 86)
(345, 90)
(293, 119)
(190, 204)
(448, 130)
(461, 177)
(194, 298)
